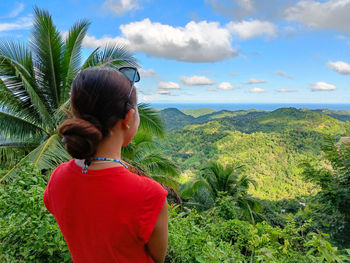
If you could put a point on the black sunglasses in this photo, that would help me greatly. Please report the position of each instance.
(133, 75)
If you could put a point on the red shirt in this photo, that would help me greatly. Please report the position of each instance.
(105, 215)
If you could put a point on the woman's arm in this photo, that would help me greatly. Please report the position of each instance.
(158, 242)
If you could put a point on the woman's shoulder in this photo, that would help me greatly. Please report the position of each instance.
(147, 185)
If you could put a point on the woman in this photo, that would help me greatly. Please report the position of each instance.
(105, 212)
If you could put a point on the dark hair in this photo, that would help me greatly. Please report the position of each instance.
(99, 99)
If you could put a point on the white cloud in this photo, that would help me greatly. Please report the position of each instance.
(196, 42)
(197, 80)
(340, 67)
(168, 85)
(331, 14)
(163, 92)
(225, 86)
(252, 28)
(147, 73)
(120, 7)
(283, 90)
(322, 86)
(256, 90)
(93, 42)
(283, 74)
(17, 10)
(20, 24)
(255, 81)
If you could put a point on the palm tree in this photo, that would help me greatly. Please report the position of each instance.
(218, 179)
(143, 153)
(35, 80)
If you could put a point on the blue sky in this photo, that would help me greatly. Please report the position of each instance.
(290, 51)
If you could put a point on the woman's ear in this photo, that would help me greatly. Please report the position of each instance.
(127, 121)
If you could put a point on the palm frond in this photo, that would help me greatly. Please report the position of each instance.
(46, 156)
(128, 152)
(16, 127)
(189, 189)
(89, 62)
(245, 181)
(166, 180)
(50, 153)
(11, 101)
(143, 143)
(21, 81)
(114, 56)
(155, 163)
(140, 143)
(150, 120)
(250, 207)
(12, 151)
(47, 46)
(63, 112)
(72, 56)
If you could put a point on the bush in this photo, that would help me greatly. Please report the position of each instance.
(28, 232)
(195, 237)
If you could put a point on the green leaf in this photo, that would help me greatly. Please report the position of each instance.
(47, 45)
(15, 127)
(21, 81)
(114, 56)
(150, 120)
(72, 56)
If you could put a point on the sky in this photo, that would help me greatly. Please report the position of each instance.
(230, 51)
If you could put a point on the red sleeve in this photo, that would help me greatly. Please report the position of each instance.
(153, 199)
(47, 199)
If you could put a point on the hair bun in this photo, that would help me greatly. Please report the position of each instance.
(81, 137)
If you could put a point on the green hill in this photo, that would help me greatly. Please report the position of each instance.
(174, 119)
(269, 144)
(342, 115)
(198, 112)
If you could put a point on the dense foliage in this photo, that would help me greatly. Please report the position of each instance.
(270, 145)
(29, 233)
(330, 207)
(299, 160)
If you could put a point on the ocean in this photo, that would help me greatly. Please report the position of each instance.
(248, 106)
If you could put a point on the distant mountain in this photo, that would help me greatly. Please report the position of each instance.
(198, 112)
(175, 119)
(249, 121)
(342, 115)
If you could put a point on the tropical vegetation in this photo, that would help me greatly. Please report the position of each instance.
(256, 186)
(35, 80)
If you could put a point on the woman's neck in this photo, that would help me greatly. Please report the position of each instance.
(110, 147)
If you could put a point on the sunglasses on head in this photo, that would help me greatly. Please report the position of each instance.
(133, 75)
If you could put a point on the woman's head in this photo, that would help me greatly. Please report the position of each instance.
(99, 99)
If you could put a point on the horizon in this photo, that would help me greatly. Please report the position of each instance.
(227, 51)
(250, 106)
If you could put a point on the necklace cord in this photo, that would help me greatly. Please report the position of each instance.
(88, 162)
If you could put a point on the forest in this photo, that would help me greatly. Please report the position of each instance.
(244, 186)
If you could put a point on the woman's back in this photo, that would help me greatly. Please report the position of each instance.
(105, 215)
